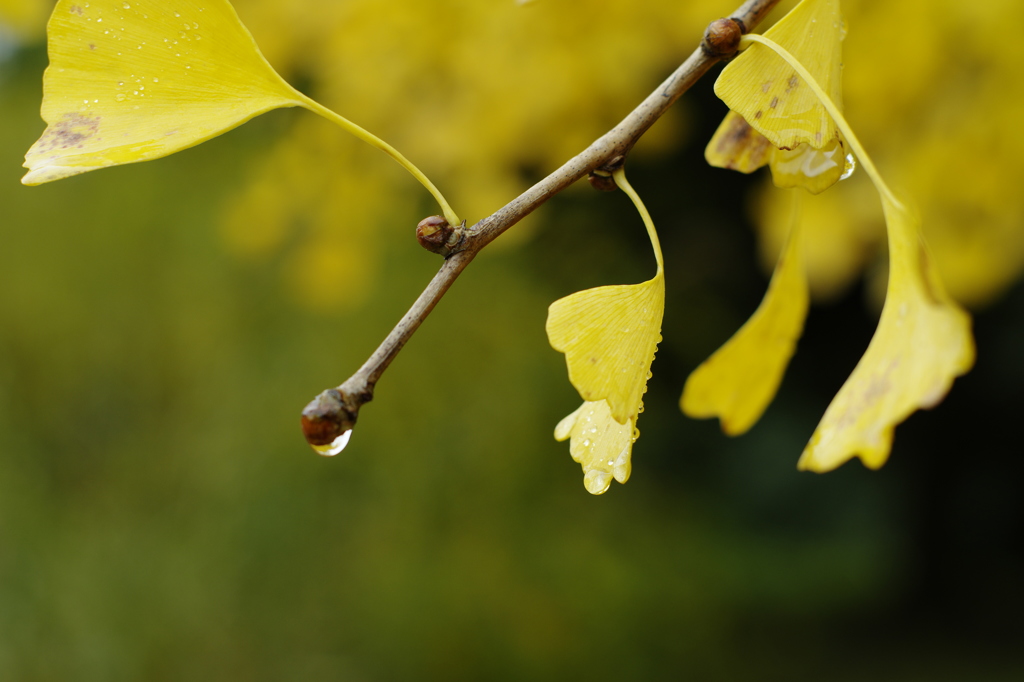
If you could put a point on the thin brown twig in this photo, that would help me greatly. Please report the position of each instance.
(334, 411)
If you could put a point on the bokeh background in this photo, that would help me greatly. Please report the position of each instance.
(161, 326)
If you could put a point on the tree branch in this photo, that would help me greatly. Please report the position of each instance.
(334, 412)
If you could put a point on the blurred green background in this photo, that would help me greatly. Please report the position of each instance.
(161, 517)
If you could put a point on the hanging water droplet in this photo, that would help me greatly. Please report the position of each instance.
(849, 166)
(335, 447)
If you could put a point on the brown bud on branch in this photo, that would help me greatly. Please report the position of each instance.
(722, 38)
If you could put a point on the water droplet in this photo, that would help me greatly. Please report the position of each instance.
(156, 80)
(120, 97)
(120, 83)
(99, 20)
(187, 27)
(195, 24)
(126, 6)
(334, 448)
(849, 166)
(199, 37)
(176, 14)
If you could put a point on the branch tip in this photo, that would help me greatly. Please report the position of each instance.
(331, 414)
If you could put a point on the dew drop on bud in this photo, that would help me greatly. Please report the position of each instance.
(333, 448)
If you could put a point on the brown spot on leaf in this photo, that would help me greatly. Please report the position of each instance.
(75, 9)
(817, 138)
(766, 86)
(758, 114)
(71, 132)
(792, 83)
(775, 102)
(92, 46)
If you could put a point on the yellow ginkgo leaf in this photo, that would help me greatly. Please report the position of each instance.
(769, 93)
(599, 443)
(132, 80)
(923, 342)
(740, 379)
(609, 336)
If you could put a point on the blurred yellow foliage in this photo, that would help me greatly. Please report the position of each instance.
(477, 92)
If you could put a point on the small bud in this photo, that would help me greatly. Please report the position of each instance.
(602, 182)
(433, 233)
(722, 38)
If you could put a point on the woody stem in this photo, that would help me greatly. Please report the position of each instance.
(334, 411)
